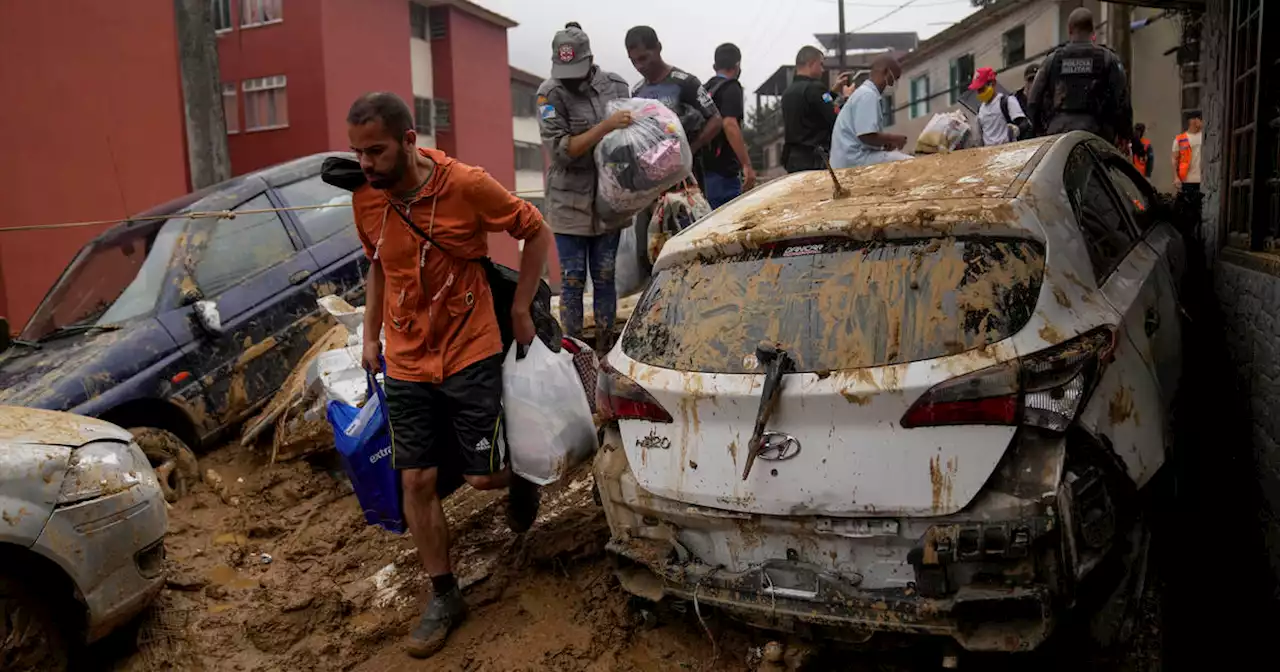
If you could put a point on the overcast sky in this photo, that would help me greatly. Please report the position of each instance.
(769, 32)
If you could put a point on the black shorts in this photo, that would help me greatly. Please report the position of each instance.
(456, 424)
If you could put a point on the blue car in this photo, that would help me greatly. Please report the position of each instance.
(181, 325)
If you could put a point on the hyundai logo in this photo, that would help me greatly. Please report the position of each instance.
(776, 447)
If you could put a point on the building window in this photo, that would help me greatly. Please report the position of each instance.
(418, 21)
(1015, 46)
(443, 115)
(1252, 138)
(422, 115)
(260, 12)
(887, 118)
(528, 156)
(920, 96)
(266, 103)
(961, 76)
(221, 11)
(523, 100)
(230, 112)
(437, 29)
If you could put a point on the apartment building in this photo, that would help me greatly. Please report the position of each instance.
(530, 161)
(102, 115)
(1009, 35)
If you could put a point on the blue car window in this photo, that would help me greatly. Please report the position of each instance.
(241, 247)
(323, 222)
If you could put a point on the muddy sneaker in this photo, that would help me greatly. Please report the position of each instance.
(523, 498)
(444, 614)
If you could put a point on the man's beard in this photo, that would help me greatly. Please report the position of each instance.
(392, 177)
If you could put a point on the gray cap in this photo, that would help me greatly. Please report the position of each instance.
(570, 53)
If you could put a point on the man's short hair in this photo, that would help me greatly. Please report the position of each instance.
(384, 106)
(642, 36)
(807, 55)
(728, 55)
(1080, 20)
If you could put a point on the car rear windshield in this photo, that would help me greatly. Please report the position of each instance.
(837, 304)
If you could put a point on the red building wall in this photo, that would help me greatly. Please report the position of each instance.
(366, 48)
(470, 69)
(91, 125)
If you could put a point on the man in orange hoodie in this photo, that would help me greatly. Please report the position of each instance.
(444, 348)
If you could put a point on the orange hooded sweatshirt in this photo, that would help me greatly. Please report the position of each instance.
(438, 312)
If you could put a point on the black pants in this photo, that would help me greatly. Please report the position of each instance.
(796, 159)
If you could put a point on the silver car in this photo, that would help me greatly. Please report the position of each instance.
(81, 534)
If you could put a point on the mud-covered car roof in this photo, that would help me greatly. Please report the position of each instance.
(965, 192)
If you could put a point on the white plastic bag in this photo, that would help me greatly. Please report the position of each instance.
(945, 132)
(549, 425)
(639, 162)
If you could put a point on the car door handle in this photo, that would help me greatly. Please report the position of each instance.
(1152, 323)
(299, 277)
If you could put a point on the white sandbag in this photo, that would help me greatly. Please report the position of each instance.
(549, 425)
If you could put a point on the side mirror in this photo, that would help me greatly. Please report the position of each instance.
(5, 339)
(208, 317)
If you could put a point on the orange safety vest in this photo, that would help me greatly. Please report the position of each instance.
(1184, 156)
(1140, 158)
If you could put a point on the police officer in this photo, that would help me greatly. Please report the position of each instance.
(574, 118)
(1082, 87)
(808, 114)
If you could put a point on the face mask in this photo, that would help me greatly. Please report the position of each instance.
(987, 93)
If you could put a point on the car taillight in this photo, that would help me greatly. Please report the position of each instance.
(620, 398)
(1045, 389)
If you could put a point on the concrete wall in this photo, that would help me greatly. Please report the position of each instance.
(92, 128)
(1247, 285)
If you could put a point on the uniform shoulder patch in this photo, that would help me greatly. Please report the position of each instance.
(547, 111)
(542, 100)
(826, 97)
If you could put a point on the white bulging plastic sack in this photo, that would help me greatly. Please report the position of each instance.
(548, 419)
(945, 132)
(637, 163)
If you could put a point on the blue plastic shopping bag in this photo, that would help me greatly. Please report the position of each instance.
(363, 438)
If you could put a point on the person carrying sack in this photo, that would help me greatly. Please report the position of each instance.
(423, 219)
(573, 118)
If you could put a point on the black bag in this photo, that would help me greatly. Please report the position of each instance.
(346, 174)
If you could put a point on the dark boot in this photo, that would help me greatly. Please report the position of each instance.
(444, 614)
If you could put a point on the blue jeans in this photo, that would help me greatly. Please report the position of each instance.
(577, 254)
(721, 189)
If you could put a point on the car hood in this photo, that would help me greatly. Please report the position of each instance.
(52, 428)
(66, 371)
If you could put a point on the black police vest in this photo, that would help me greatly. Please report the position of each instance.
(1079, 76)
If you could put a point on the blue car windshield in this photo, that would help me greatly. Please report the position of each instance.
(110, 281)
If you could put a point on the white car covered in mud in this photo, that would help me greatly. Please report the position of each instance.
(931, 406)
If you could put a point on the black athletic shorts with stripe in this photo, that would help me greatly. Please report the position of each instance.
(457, 422)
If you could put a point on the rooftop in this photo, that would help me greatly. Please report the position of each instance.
(523, 76)
(474, 10)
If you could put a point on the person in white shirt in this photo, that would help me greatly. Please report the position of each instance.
(1000, 117)
(859, 138)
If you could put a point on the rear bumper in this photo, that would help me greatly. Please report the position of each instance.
(839, 578)
(978, 619)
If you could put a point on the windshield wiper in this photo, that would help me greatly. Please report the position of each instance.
(30, 344)
(73, 329)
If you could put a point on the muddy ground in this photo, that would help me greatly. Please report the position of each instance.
(285, 575)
